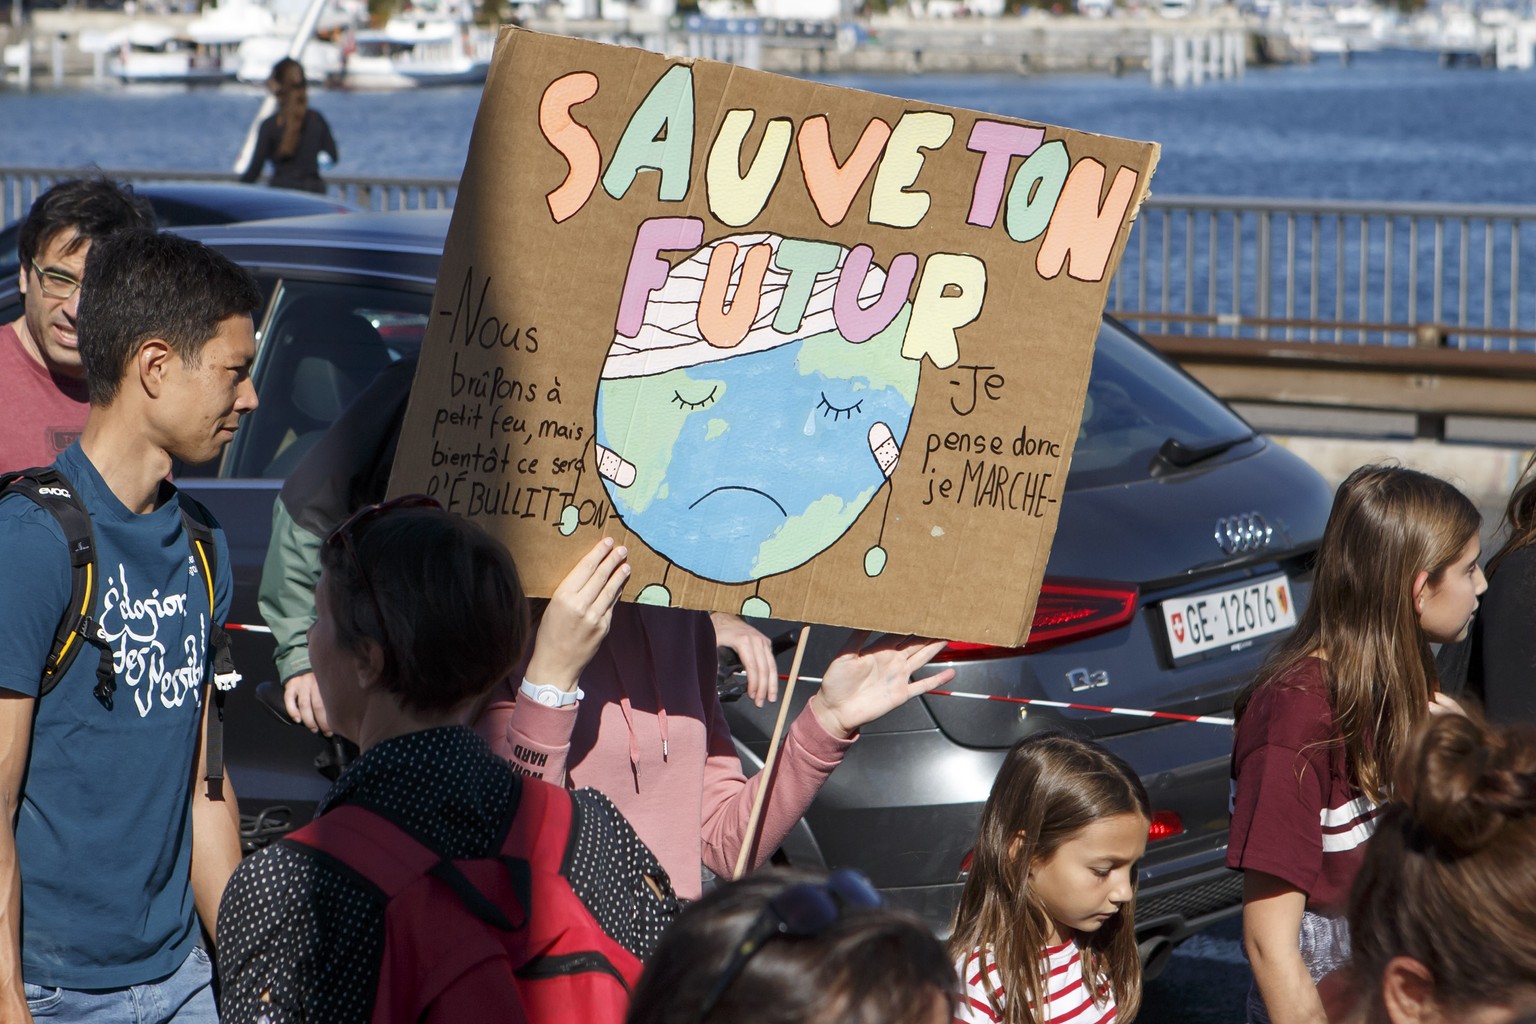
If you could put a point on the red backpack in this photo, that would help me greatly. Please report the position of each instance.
(499, 938)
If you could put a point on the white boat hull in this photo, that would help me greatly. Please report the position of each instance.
(175, 66)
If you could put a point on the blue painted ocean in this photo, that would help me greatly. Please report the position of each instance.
(1385, 127)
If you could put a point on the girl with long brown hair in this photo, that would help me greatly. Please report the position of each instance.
(294, 137)
(1319, 732)
(1044, 930)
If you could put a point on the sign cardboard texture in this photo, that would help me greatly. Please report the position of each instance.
(808, 352)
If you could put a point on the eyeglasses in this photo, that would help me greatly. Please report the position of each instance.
(345, 537)
(56, 284)
(801, 911)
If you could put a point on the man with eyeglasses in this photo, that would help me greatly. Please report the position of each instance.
(42, 384)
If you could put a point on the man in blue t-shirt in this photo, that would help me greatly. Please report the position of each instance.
(112, 848)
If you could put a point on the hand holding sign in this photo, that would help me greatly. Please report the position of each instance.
(578, 616)
(755, 652)
(866, 682)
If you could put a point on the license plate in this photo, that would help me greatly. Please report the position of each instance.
(1228, 619)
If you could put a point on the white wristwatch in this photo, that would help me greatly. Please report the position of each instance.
(551, 696)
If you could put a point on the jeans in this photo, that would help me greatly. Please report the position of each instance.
(186, 997)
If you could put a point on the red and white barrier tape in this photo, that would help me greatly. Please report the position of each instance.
(1135, 712)
(1033, 701)
(1038, 702)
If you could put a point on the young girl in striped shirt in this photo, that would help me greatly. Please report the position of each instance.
(1044, 933)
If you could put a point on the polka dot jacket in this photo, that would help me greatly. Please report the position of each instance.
(301, 936)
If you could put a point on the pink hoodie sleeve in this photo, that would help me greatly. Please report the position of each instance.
(808, 756)
(535, 739)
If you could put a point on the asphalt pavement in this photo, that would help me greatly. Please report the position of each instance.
(1206, 982)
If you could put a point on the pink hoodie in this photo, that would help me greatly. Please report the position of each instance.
(651, 735)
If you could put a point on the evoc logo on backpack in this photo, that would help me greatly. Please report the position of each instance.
(57, 492)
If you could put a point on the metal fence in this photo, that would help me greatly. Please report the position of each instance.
(19, 186)
(1459, 276)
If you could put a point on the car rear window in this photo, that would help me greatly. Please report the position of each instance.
(1136, 401)
(321, 345)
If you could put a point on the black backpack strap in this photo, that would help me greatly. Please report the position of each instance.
(52, 491)
(223, 677)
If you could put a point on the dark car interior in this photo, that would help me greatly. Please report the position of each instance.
(320, 347)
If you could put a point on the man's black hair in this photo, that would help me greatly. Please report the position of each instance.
(141, 284)
(89, 208)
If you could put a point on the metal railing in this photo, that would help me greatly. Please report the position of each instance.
(1458, 276)
(20, 186)
(1397, 274)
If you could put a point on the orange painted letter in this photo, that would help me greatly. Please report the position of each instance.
(832, 187)
(573, 141)
(1082, 231)
(722, 329)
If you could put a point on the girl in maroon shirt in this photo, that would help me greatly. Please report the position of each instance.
(1319, 731)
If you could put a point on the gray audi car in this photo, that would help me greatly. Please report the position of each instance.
(1184, 550)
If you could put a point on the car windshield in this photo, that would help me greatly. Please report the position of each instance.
(321, 345)
(1136, 403)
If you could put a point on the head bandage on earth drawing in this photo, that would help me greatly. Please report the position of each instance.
(740, 462)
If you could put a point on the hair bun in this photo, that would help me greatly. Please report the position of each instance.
(1463, 781)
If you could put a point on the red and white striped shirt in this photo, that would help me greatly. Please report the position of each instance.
(1068, 999)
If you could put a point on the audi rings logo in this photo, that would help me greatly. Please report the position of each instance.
(1240, 534)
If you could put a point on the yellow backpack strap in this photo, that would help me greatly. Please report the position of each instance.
(52, 491)
(207, 561)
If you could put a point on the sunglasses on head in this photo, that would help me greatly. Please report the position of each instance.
(345, 538)
(800, 911)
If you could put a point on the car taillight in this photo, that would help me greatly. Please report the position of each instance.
(1165, 825)
(1068, 610)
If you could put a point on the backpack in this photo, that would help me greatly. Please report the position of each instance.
(498, 938)
(52, 491)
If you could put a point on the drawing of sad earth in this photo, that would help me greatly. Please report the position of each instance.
(739, 463)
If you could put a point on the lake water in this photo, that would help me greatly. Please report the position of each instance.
(1387, 126)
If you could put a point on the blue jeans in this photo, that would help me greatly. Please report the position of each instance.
(186, 997)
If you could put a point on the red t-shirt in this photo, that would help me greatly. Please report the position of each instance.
(42, 414)
(1295, 813)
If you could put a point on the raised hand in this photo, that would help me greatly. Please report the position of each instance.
(867, 680)
(578, 615)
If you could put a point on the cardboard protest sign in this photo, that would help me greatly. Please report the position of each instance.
(806, 351)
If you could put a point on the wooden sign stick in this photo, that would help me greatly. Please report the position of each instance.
(766, 775)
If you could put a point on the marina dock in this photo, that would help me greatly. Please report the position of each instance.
(60, 47)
